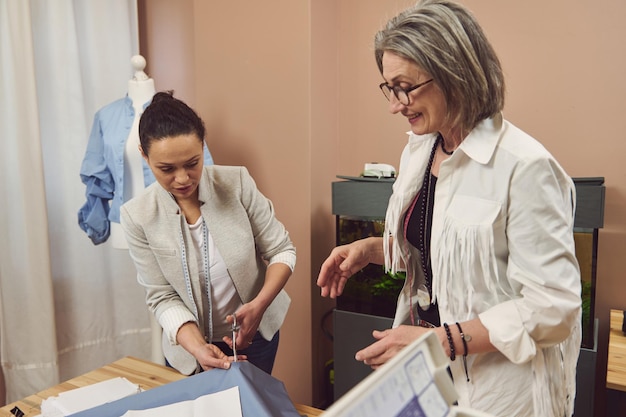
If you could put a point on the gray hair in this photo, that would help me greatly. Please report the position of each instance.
(443, 38)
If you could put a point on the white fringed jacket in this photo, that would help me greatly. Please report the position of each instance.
(502, 249)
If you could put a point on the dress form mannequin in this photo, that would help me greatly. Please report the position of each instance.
(140, 91)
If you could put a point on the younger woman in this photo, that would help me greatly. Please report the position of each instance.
(206, 246)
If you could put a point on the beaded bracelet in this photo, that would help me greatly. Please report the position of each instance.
(464, 339)
(450, 342)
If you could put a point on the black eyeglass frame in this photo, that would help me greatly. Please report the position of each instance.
(396, 89)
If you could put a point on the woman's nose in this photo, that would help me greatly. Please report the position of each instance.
(394, 105)
(182, 176)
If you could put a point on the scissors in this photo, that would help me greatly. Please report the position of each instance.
(235, 329)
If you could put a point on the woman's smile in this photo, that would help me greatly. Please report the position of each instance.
(413, 118)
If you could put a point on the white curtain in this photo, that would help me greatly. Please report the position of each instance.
(66, 306)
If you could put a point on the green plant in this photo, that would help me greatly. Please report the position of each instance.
(587, 325)
(389, 284)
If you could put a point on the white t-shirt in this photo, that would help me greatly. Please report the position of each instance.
(224, 297)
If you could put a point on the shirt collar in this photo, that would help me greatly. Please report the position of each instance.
(479, 145)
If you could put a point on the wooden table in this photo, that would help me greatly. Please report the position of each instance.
(616, 363)
(146, 374)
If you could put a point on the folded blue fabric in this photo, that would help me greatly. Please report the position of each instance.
(261, 394)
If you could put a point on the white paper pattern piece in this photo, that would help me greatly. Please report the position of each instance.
(223, 403)
(79, 399)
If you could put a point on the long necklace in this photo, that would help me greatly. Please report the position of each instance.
(443, 148)
(424, 291)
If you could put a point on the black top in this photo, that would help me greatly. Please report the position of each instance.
(418, 234)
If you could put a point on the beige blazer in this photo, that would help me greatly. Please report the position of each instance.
(244, 228)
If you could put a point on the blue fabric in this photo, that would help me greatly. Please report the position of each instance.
(102, 169)
(261, 394)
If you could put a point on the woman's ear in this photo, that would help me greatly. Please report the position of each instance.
(143, 154)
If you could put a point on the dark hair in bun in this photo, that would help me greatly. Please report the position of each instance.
(165, 117)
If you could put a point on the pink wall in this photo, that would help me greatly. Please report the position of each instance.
(246, 70)
(325, 120)
(166, 39)
(289, 89)
(253, 90)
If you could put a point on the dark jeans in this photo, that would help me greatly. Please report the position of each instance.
(261, 353)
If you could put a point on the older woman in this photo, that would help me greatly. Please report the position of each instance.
(481, 218)
(207, 248)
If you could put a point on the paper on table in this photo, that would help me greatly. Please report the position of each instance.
(79, 399)
(223, 403)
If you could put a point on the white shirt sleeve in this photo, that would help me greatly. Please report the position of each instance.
(172, 319)
(287, 257)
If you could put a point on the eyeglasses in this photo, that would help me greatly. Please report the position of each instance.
(402, 94)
